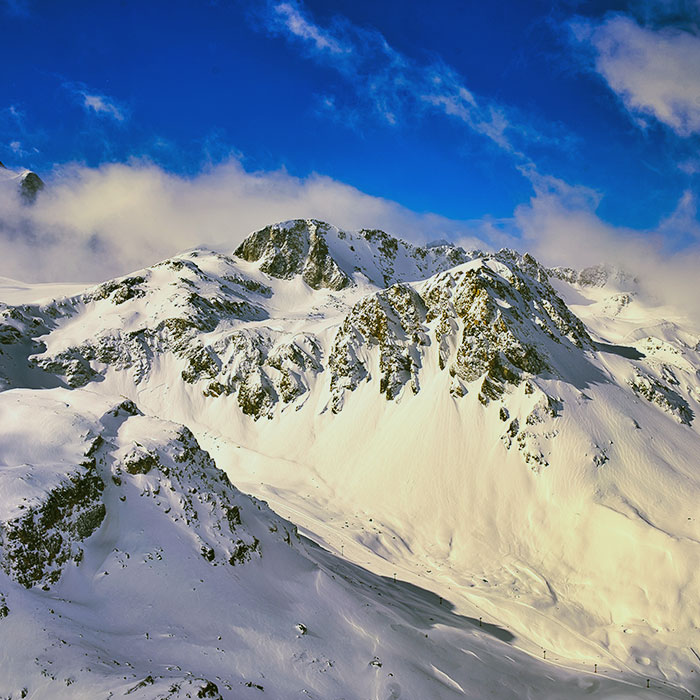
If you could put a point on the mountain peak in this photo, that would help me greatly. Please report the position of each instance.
(28, 183)
(327, 257)
(296, 247)
(602, 275)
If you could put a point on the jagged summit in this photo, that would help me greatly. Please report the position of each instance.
(494, 319)
(328, 257)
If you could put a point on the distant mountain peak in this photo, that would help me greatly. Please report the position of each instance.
(602, 275)
(30, 186)
(28, 183)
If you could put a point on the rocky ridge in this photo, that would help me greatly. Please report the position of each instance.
(127, 457)
(327, 257)
(491, 322)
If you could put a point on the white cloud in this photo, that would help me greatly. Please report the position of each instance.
(396, 86)
(90, 224)
(96, 103)
(560, 226)
(103, 106)
(690, 166)
(293, 20)
(93, 223)
(654, 71)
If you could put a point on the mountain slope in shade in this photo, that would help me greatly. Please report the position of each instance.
(521, 441)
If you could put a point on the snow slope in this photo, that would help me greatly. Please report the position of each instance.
(180, 586)
(518, 441)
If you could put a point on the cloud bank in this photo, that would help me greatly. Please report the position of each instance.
(93, 223)
(561, 226)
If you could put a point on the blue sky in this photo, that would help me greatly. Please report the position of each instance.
(460, 109)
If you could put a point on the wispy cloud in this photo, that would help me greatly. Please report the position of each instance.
(103, 106)
(96, 103)
(690, 166)
(654, 68)
(18, 149)
(397, 87)
(18, 138)
(291, 18)
(13, 115)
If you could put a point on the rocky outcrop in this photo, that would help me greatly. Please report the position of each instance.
(492, 320)
(28, 183)
(35, 546)
(594, 276)
(264, 368)
(295, 248)
(185, 484)
(504, 312)
(391, 321)
(327, 257)
(30, 186)
(660, 391)
(197, 304)
(133, 457)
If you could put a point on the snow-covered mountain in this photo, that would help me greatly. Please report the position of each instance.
(510, 443)
(26, 182)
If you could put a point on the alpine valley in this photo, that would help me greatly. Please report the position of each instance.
(335, 465)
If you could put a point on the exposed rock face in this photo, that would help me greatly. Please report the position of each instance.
(30, 186)
(295, 248)
(661, 393)
(392, 321)
(264, 368)
(185, 485)
(132, 457)
(488, 320)
(35, 546)
(198, 304)
(426, 261)
(329, 258)
(594, 276)
(28, 183)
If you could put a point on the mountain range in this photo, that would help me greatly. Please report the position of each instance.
(334, 464)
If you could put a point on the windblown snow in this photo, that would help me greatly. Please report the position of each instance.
(491, 467)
